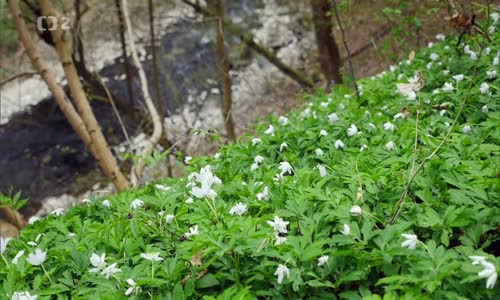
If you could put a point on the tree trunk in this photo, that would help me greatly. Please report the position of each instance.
(224, 70)
(157, 123)
(126, 63)
(64, 104)
(249, 40)
(156, 84)
(328, 51)
(104, 156)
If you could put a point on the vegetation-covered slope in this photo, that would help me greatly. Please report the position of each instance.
(305, 210)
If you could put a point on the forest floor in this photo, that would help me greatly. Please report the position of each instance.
(376, 41)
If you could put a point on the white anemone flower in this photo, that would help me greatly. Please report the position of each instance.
(270, 130)
(33, 219)
(3, 244)
(447, 87)
(258, 159)
(192, 231)
(322, 260)
(332, 118)
(162, 187)
(484, 88)
(352, 130)
(322, 170)
(323, 132)
(169, 218)
(490, 273)
(285, 167)
(110, 270)
(390, 146)
(57, 212)
(278, 224)
(131, 287)
(238, 209)
(458, 77)
(264, 195)
(440, 37)
(467, 129)
(283, 146)
(23, 296)
(319, 152)
(389, 126)
(339, 144)
(346, 230)
(356, 211)
(279, 240)
(412, 96)
(489, 270)
(410, 241)
(99, 262)
(256, 141)
(136, 204)
(152, 256)
(281, 272)
(491, 74)
(106, 203)
(37, 258)
(17, 257)
(283, 120)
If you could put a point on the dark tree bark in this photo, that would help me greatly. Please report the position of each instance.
(249, 40)
(156, 83)
(328, 51)
(128, 72)
(224, 70)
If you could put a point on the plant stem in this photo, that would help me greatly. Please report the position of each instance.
(212, 208)
(6, 262)
(46, 273)
(402, 199)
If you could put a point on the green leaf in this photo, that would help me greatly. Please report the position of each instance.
(207, 281)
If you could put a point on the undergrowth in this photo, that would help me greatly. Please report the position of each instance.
(390, 196)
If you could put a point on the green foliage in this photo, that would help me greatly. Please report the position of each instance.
(451, 207)
(8, 33)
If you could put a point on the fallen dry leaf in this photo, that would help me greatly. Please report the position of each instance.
(196, 259)
(407, 88)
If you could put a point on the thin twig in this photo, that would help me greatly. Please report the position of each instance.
(346, 47)
(157, 124)
(23, 74)
(110, 98)
(426, 159)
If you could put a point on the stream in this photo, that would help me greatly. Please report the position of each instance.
(40, 154)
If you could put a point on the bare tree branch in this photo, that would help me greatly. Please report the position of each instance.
(23, 74)
(157, 124)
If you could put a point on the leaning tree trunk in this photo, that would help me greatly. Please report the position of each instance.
(328, 51)
(224, 70)
(102, 151)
